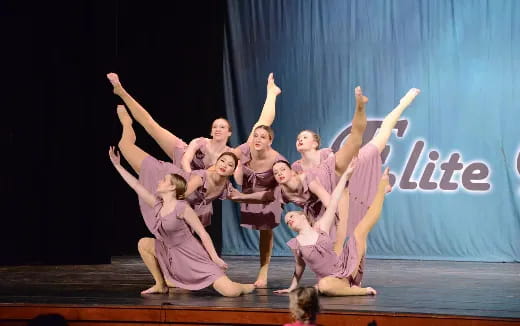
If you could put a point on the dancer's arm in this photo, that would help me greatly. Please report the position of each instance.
(316, 188)
(141, 191)
(193, 184)
(299, 268)
(194, 222)
(330, 213)
(259, 197)
(189, 154)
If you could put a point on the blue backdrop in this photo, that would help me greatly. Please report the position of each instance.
(462, 129)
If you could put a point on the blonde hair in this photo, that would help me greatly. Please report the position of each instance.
(304, 304)
(315, 136)
(269, 130)
(180, 185)
(307, 217)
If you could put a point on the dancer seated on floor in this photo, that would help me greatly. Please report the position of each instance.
(175, 257)
(338, 275)
(204, 186)
(201, 153)
(304, 305)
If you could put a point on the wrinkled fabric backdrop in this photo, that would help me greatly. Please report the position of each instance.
(455, 151)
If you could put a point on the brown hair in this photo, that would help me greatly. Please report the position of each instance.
(304, 304)
(227, 121)
(315, 136)
(269, 130)
(180, 185)
(284, 162)
(233, 156)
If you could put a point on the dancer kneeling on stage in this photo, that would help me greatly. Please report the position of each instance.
(175, 257)
(338, 274)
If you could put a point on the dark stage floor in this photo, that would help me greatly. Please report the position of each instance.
(428, 287)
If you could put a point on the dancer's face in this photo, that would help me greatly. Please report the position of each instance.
(225, 165)
(220, 130)
(282, 173)
(295, 220)
(261, 139)
(305, 142)
(165, 184)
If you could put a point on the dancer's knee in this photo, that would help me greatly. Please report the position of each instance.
(145, 245)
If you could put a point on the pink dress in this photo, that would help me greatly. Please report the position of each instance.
(201, 159)
(362, 185)
(153, 170)
(323, 261)
(311, 204)
(182, 258)
(258, 216)
(201, 203)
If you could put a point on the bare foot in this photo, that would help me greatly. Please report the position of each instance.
(113, 78)
(123, 115)
(260, 283)
(247, 288)
(410, 96)
(371, 291)
(156, 289)
(361, 99)
(271, 86)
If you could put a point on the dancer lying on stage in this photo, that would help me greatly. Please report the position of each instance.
(304, 306)
(201, 152)
(338, 275)
(203, 187)
(175, 257)
(363, 184)
(256, 175)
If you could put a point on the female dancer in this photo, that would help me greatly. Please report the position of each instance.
(362, 186)
(175, 257)
(337, 275)
(255, 174)
(202, 152)
(302, 189)
(204, 186)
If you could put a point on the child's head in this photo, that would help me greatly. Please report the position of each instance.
(304, 304)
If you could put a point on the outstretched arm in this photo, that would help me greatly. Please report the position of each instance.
(189, 154)
(328, 217)
(316, 188)
(194, 222)
(141, 191)
(299, 268)
(193, 184)
(260, 197)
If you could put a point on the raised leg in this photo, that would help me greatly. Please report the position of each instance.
(146, 247)
(351, 146)
(166, 140)
(133, 154)
(266, 250)
(381, 138)
(228, 288)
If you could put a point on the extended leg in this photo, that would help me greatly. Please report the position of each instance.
(133, 154)
(228, 288)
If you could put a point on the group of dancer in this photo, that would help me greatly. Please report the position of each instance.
(341, 195)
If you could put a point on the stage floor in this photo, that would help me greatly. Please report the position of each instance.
(413, 287)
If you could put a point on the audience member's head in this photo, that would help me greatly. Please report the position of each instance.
(304, 304)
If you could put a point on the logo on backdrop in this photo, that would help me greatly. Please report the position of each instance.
(455, 174)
